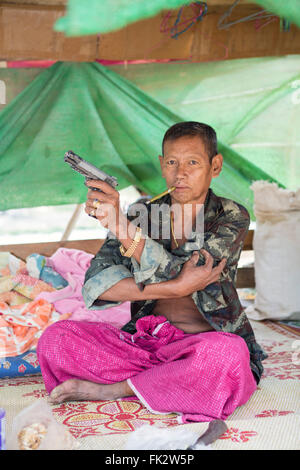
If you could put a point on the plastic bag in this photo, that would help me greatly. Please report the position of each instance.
(35, 428)
(149, 437)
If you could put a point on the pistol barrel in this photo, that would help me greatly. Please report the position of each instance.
(87, 169)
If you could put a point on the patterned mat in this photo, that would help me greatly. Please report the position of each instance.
(270, 419)
(293, 327)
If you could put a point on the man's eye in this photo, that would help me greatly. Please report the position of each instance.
(193, 162)
(171, 162)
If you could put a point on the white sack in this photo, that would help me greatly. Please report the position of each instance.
(277, 253)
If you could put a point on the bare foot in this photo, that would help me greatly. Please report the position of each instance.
(75, 390)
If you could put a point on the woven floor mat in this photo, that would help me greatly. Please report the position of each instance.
(269, 420)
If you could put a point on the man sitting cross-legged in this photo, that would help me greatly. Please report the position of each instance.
(189, 347)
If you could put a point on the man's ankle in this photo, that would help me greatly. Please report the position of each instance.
(127, 390)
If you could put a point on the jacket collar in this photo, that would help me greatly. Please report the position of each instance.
(212, 208)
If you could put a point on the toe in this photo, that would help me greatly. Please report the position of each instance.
(56, 394)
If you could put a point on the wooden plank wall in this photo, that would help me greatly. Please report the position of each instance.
(90, 246)
(245, 275)
(26, 33)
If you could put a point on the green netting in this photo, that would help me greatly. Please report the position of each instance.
(254, 105)
(105, 119)
(94, 16)
(288, 9)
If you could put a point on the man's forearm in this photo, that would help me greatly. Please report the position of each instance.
(125, 232)
(127, 290)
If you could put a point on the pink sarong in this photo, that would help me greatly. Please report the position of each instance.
(201, 376)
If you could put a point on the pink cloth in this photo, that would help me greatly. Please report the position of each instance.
(201, 376)
(72, 265)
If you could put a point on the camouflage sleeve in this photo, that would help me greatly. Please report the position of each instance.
(157, 264)
(224, 239)
(106, 269)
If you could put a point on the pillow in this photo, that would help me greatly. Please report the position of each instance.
(19, 366)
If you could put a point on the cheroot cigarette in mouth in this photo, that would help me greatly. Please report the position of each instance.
(168, 191)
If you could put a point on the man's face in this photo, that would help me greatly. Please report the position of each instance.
(186, 166)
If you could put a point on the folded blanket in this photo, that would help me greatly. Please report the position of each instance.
(10, 264)
(36, 267)
(23, 318)
(72, 265)
(22, 325)
(17, 286)
(28, 304)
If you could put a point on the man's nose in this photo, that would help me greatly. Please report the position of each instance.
(181, 170)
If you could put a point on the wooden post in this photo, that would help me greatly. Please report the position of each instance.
(71, 223)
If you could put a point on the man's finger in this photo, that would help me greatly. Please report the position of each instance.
(205, 253)
(105, 187)
(208, 259)
(101, 197)
(216, 273)
(195, 257)
(220, 266)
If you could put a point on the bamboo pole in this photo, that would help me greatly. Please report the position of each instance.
(71, 223)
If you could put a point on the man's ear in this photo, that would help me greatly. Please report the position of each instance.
(217, 164)
(161, 159)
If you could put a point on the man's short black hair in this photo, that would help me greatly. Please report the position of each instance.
(193, 128)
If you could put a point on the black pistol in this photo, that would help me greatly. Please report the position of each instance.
(89, 170)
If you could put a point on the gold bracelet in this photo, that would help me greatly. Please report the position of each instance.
(134, 244)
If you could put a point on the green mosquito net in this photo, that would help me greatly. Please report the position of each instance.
(116, 118)
(94, 16)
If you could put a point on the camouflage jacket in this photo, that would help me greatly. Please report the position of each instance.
(226, 224)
